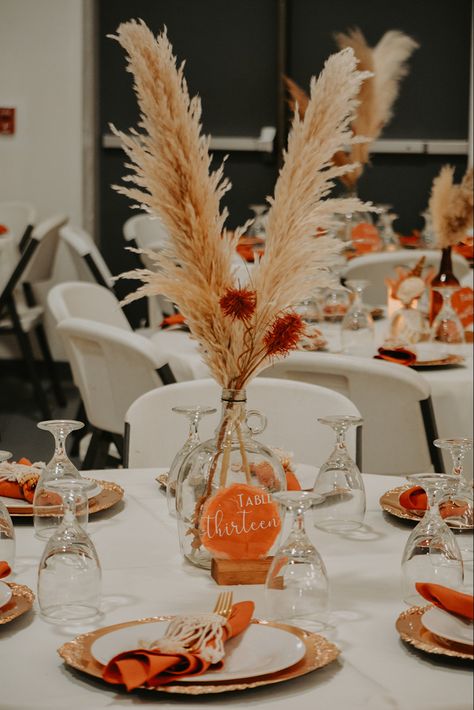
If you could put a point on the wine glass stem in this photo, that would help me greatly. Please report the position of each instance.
(193, 436)
(60, 443)
(458, 462)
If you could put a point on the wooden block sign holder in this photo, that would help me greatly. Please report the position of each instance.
(231, 572)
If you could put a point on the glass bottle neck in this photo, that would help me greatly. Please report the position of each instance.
(234, 411)
(445, 275)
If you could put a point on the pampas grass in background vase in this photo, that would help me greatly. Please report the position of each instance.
(451, 208)
(223, 487)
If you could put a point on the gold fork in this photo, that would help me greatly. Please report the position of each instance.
(224, 604)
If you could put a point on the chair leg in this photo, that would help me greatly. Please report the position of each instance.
(25, 347)
(96, 456)
(50, 365)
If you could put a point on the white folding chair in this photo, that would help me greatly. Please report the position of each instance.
(394, 401)
(153, 434)
(80, 299)
(375, 268)
(19, 314)
(111, 367)
(89, 262)
(143, 231)
(19, 217)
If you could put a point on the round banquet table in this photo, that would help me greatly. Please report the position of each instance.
(451, 387)
(144, 575)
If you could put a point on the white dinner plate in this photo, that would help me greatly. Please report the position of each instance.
(257, 651)
(20, 503)
(443, 624)
(5, 594)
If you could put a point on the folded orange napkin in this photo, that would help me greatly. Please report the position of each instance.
(415, 498)
(292, 483)
(20, 483)
(175, 319)
(401, 356)
(447, 599)
(5, 569)
(152, 667)
(410, 240)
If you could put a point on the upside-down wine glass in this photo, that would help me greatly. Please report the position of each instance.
(296, 587)
(194, 414)
(7, 531)
(46, 511)
(357, 327)
(340, 482)
(69, 573)
(431, 553)
(462, 518)
(447, 327)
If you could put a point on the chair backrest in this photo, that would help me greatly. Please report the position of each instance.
(87, 258)
(37, 261)
(19, 217)
(377, 267)
(155, 433)
(394, 401)
(80, 299)
(111, 367)
(145, 231)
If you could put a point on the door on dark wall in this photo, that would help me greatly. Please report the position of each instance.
(235, 52)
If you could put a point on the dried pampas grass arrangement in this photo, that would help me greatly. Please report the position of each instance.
(387, 64)
(239, 330)
(451, 207)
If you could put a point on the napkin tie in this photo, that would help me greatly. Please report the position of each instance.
(18, 479)
(154, 667)
(5, 569)
(447, 599)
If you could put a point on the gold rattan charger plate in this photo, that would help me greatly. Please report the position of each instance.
(319, 653)
(390, 502)
(110, 494)
(21, 601)
(409, 626)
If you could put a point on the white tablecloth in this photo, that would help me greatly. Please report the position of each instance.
(144, 575)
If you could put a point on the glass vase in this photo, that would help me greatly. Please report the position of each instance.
(223, 492)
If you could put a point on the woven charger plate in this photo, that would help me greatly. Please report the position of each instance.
(21, 601)
(110, 494)
(409, 626)
(390, 502)
(319, 653)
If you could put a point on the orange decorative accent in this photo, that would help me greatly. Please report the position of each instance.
(466, 248)
(365, 238)
(240, 522)
(292, 483)
(3, 229)
(175, 319)
(401, 356)
(284, 334)
(415, 498)
(463, 303)
(412, 240)
(238, 303)
(5, 569)
(20, 491)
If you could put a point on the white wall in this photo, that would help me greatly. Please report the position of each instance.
(41, 75)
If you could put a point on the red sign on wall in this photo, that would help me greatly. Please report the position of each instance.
(7, 121)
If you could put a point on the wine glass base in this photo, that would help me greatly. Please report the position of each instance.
(70, 614)
(338, 526)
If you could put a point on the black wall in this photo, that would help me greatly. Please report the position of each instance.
(230, 47)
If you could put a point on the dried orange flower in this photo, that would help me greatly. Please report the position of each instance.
(238, 303)
(284, 334)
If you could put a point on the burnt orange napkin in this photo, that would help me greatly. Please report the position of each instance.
(400, 355)
(447, 599)
(415, 499)
(292, 483)
(152, 668)
(175, 319)
(5, 569)
(20, 491)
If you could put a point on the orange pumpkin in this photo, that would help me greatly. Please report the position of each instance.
(240, 522)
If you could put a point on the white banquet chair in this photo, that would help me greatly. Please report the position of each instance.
(375, 268)
(19, 217)
(394, 401)
(111, 367)
(81, 299)
(143, 231)
(87, 259)
(153, 433)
